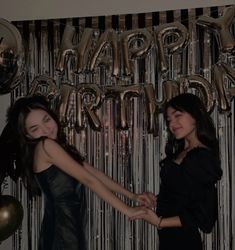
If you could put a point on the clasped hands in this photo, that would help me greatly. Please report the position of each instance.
(147, 202)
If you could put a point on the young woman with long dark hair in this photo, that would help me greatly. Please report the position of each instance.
(49, 163)
(187, 199)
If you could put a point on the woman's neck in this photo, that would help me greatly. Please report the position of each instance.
(190, 144)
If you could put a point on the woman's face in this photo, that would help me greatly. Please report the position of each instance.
(39, 123)
(181, 124)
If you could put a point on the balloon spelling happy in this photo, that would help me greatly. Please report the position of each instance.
(11, 215)
(11, 59)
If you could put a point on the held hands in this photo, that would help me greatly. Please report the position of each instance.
(136, 212)
(149, 216)
(147, 199)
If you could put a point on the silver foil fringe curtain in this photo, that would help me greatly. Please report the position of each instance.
(131, 157)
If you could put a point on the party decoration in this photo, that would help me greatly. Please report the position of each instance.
(83, 50)
(201, 85)
(219, 72)
(66, 92)
(230, 73)
(78, 51)
(152, 109)
(122, 94)
(11, 215)
(179, 40)
(67, 49)
(221, 27)
(130, 52)
(109, 37)
(171, 88)
(11, 57)
(87, 100)
(43, 85)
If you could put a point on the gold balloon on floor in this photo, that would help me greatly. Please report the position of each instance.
(11, 215)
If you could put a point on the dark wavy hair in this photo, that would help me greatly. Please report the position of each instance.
(16, 117)
(205, 128)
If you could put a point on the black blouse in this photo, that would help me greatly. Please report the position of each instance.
(188, 189)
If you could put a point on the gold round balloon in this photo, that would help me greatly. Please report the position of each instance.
(11, 59)
(11, 215)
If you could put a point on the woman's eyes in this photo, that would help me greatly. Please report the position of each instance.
(168, 120)
(176, 115)
(47, 119)
(34, 130)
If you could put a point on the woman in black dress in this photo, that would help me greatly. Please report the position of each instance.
(187, 200)
(48, 161)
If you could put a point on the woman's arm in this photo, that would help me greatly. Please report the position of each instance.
(152, 218)
(52, 153)
(146, 198)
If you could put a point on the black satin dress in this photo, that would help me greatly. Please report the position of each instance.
(188, 190)
(63, 223)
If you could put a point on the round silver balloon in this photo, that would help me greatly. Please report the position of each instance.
(11, 56)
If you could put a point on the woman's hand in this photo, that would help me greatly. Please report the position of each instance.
(149, 216)
(147, 199)
(135, 212)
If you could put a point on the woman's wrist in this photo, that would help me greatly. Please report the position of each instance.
(159, 227)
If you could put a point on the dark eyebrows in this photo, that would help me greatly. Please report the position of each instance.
(172, 113)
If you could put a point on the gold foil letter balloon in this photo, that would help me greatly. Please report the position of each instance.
(11, 215)
(221, 26)
(79, 51)
(123, 94)
(108, 39)
(202, 86)
(130, 52)
(11, 59)
(180, 39)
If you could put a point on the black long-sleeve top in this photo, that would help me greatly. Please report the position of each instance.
(188, 189)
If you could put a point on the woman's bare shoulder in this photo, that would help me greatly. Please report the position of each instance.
(48, 148)
(42, 154)
(47, 143)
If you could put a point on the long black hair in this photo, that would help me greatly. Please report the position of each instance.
(205, 128)
(16, 117)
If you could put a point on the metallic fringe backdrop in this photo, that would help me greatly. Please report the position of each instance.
(131, 157)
